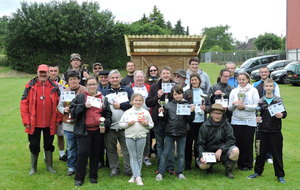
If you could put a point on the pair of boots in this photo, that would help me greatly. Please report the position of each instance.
(48, 162)
(229, 168)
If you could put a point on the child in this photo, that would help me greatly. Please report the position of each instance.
(136, 121)
(269, 134)
(175, 130)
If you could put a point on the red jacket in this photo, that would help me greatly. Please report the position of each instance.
(28, 106)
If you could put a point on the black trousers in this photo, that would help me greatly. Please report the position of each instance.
(244, 136)
(88, 147)
(35, 138)
(192, 136)
(269, 141)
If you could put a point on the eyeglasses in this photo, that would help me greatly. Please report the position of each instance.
(152, 70)
(97, 68)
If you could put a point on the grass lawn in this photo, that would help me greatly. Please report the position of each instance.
(15, 158)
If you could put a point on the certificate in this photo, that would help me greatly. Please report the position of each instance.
(67, 96)
(223, 102)
(276, 108)
(183, 109)
(121, 97)
(209, 157)
(198, 108)
(166, 87)
(95, 102)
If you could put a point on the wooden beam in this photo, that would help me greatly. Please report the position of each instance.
(164, 39)
(197, 46)
(164, 53)
(149, 46)
(131, 46)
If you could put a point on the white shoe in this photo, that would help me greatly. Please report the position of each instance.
(181, 176)
(139, 181)
(269, 161)
(159, 177)
(147, 162)
(132, 180)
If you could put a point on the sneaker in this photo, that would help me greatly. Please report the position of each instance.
(78, 183)
(139, 181)
(63, 158)
(229, 174)
(181, 176)
(159, 177)
(131, 180)
(269, 161)
(114, 172)
(281, 180)
(255, 175)
(147, 162)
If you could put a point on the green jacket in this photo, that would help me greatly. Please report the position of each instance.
(215, 136)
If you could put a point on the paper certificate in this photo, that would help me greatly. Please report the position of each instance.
(209, 157)
(121, 97)
(276, 108)
(67, 96)
(95, 102)
(223, 102)
(166, 87)
(183, 109)
(198, 109)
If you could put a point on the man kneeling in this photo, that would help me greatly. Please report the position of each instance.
(216, 135)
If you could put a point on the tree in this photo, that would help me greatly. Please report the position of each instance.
(218, 36)
(178, 29)
(156, 18)
(3, 31)
(268, 41)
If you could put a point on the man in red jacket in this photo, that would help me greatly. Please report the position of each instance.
(39, 113)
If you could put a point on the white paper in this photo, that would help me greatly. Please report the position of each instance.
(209, 157)
(183, 109)
(198, 108)
(95, 102)
(121, 97)
(223, 102)
(67, 96)
(276, 108)
(166, 87)
(141, 90)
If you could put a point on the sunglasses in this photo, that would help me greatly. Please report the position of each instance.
(152, 70)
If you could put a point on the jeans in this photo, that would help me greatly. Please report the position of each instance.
(136, 149)
(71, 142)
(159, 131)
(35, 138)
(169, 149)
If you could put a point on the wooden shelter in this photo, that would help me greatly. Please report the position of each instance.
(163, 50)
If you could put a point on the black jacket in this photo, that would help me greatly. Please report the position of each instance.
(77, 109)
(177, 125)
(152, 100)
(213, 136)
(269, 124)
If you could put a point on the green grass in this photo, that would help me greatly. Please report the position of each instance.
(15, 159)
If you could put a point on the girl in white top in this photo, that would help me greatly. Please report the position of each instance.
(243, 102)
(136, 121)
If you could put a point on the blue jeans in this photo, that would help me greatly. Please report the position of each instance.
(169, 149)
(136, 148)
(159, 132)
(71, 142)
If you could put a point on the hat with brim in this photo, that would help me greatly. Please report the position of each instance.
(218, 107)
(43, 67)
(180, 72)
(74, 56)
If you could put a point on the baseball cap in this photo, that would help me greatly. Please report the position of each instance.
(180, 72)
(43, 67)
(75, 56)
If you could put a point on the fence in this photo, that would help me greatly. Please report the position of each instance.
(293, 54)
(237, 57)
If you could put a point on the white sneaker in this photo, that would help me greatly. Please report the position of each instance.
(159, 177)
(181, 176)
(269, 161)
(147, 162)
(139, 181)
(132, 180)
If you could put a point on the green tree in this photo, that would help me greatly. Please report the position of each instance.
(218, 36)
(268, 41)
(3, 31)
(179, 29)
(157, 18)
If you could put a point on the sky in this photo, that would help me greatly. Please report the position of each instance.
(246, 18)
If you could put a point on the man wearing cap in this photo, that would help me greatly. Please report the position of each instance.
(216, 136)
(75, 62)
(180, 77)
(97, 67)
(39, 114)
(128, 80)
(103, 81)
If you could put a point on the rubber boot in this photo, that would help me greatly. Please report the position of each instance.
(34, 159)
(48, 161)
(229, 167)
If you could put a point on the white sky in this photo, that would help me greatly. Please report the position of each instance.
(246, 18)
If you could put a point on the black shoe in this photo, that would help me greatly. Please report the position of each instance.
(255, 175)
(245, 169)
(128, 174)
(93, 180)
(114, 172)
(70, 173)
(78, 183)
(63, 158)
(229, 175)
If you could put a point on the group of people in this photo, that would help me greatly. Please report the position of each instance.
(96, 111)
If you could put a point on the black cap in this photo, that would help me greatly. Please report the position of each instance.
(105, 72)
